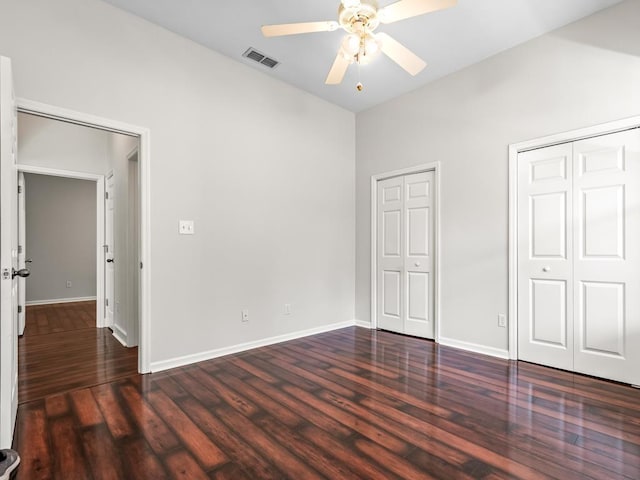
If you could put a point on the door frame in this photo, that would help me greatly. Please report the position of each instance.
(427, 167)
(144, 159)
(100, 185)
(514, 150)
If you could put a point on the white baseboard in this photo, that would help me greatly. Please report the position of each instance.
(363, 324)
(120, 335)
(53, 301)
(474, 347)
(220, 352)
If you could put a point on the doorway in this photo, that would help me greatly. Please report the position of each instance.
(60, 260)
(405, 251)
(574, 252)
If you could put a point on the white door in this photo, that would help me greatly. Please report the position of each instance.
(405, 241)
(606, 179)
(579, 256)
(8, 256)
(545, 256)
(109, 254)
(22, 246)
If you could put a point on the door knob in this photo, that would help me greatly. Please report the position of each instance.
(23, 272)
(110, 260)
(417, 264)
(546, 269)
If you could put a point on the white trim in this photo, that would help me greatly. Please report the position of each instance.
(53, 301)
(362, 324)
(99, 179)
(144, 135)
(514, 150)
(437, 169)
(120, 335)
(242, 347)
(474, 347)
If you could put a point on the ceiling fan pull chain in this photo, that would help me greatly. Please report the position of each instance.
(359, 85)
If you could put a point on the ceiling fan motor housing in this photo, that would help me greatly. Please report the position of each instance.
(360, 18)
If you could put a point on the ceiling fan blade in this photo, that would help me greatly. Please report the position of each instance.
(412, 8)
(401, 54)
(338, 70)
(297, 28)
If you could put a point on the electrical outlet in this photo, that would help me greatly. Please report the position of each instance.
(186, 227)
(68, 283)
(287, 309)
(502, 320)
(245, 315)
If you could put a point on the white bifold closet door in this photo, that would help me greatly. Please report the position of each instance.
(405, 266)
(579, 256)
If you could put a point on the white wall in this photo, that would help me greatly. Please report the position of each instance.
(61, 237)
(584, 74)
(266, 171)
(43, 142)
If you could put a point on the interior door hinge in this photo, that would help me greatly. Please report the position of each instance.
(140, 265)
(19, 249)
(106, 195)
(19, 308)
(19, 188)
(106, 302)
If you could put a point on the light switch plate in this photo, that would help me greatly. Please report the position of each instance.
(187, 227)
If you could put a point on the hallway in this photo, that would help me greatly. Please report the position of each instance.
(61, 350)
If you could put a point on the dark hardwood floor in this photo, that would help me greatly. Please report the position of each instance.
(352, 404)
(62, 350)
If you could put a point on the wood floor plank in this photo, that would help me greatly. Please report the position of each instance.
(183, 467)
(201, 447)
(102, 454)
(66, 447)
(112, 411)
(351, 403)
(37, 460)
(154, 429)
(86, 408)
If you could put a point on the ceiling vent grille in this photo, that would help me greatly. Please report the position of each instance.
(261, 58)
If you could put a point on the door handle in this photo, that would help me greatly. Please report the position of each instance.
(23, 272)
(546, 269)
(110, 260)
(417, 264)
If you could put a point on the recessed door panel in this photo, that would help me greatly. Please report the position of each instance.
(549, 312)
(602, 222)
(418, 189)
(602, 160)
(391, 194)
(602, 318)
(418, 302)
(391, 237)
(418, 231)
(548, 225)
(391, 295)
(548, 169)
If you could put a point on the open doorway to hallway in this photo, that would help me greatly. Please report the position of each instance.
(82, 308)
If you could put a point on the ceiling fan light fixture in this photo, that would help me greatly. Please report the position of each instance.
(350, 3)
(351, 44)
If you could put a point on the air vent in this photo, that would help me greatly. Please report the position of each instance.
(261, 58)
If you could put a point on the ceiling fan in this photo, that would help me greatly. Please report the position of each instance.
(360, 18)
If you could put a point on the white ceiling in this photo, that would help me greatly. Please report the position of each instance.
(448, 40)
